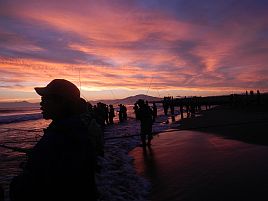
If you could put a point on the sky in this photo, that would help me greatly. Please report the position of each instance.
(117, 48)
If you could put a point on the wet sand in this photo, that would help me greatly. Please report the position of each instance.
(248, 125)
(190, 165)
(208, 163)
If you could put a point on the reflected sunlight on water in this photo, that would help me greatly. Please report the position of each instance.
(23, 135)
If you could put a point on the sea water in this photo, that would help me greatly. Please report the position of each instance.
(23, 127)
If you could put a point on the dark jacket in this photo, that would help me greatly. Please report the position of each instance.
(60, 166)
(145, 114)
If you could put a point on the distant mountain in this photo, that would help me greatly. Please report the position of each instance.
(126, 101)
(129, 100)
(18, 104)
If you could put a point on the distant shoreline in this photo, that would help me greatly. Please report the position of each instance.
(248, 124)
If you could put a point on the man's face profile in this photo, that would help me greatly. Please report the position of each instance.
(50, 107)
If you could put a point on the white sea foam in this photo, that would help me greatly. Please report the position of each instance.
(118, 179)
(19, 117)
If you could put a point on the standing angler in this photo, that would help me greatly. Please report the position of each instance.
(145, 115)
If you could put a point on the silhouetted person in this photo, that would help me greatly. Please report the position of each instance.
(166, 105)
(106, 113)
(246, 99)
(188, 107)
(121, 117)
(172, 110)
(111, 114)
(135, 108)
(192, 107)
(61, 166)
(251, 92)
(124, 112)
(100, 114)
(181, 109)
(198, 104)
(145, 114)
(154, 112)
(258, 97)
(95, 132)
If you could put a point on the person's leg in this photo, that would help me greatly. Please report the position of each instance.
(143, 139)
(150, 137)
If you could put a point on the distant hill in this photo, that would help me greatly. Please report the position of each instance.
(128, 101)
(18, 104)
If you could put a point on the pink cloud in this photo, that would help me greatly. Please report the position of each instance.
(118, 45)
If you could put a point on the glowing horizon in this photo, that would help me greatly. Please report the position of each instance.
(115, 49)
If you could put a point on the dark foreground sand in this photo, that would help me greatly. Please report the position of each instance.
(248, 125)
(195, 166)
(204, 164)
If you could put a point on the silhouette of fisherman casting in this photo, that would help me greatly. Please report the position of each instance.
(145, 115)
(61, 166)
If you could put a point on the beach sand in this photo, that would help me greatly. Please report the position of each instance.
(248, 125)
(211, 161)
(195, 166)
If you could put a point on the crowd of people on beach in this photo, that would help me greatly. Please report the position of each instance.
(192, 105)
(105, 114)
(246, 100)
(63, 164)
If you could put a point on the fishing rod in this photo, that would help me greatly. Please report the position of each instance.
(149, 85)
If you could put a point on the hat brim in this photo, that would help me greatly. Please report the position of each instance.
(41, 91)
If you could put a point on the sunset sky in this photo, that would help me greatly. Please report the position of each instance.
(118, 48)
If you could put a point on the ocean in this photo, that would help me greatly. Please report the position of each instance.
(19, 127)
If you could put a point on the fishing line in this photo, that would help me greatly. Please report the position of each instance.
(112, 94)
(80, 84)
(158, 93)
(149, 85)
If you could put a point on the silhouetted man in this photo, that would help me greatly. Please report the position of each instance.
(135, 108)
(61, 165)
(145, 115)
(111, 114)
(124, 111)
(121, 110)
